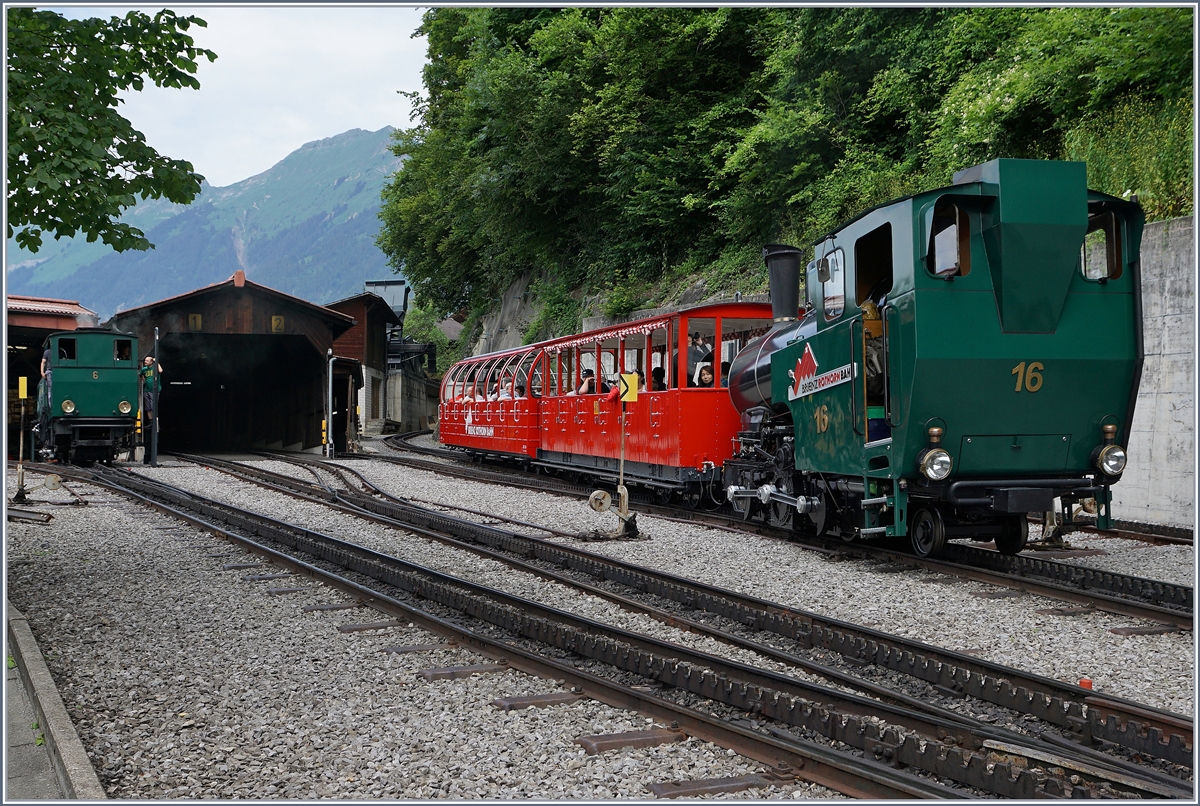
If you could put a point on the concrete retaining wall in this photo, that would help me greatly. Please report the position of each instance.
(412, 400)
(1159, 485)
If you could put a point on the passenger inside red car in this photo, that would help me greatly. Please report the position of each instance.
(658, 376)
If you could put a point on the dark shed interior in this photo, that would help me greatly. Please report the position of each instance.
(229, 392)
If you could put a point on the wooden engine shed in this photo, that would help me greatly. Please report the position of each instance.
(244, 366)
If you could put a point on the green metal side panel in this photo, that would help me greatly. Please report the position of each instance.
(824, 428)
(1032, 235)
(94, 380)
(968, 378)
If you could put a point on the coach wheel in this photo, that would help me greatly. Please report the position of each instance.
(928, 532)
(1015, 535)
(662, 495)
(691, 496)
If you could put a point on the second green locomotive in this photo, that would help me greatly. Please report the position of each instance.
(88, 412)
(966, 356)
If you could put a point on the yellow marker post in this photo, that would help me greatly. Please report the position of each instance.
(22, 393)
(629, 387)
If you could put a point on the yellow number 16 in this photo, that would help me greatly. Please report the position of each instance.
(1032, 379)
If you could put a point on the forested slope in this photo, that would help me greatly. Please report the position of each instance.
(618, 150)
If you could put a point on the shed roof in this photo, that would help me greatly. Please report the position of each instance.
(45, 305)
(371, 301)
(339, 322)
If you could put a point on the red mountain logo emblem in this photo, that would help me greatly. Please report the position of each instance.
(806, 367)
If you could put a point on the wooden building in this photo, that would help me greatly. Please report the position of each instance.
(244, 366)
(366, 343)
(29, 321)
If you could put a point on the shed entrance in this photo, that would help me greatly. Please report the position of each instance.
(236, 392)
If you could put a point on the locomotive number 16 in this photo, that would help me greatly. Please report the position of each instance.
(821, 416)
(1032, 379)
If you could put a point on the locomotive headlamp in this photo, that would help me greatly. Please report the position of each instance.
(1112, 460)
(936, 464)
(124, 407)
(68, 406)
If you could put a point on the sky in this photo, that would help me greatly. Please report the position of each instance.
(284, 76)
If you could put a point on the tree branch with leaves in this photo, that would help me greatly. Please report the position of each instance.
(74, 163)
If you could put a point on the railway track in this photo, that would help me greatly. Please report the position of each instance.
(1123, 594)
(591, 659)
(1106, 719)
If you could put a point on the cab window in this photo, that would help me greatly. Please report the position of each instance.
(873, 265)
(949, 247)
(66, 350)
(122, 350)
(1100, 255)
(833, 289)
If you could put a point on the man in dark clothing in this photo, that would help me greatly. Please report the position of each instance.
(46, 368)
(151, 377)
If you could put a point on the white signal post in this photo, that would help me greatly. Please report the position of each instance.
(600, 500)
(629, 387)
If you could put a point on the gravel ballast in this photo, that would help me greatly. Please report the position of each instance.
(1158, 670)
(186, 681)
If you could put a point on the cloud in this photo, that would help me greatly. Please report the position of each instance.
(283, 77)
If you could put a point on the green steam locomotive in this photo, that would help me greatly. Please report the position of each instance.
(965, 357)
(88, 410)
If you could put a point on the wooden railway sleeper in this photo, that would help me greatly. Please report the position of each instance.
(1153, 743)
(845, 727)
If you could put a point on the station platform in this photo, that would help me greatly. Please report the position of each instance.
(29, 774)
(45, 758)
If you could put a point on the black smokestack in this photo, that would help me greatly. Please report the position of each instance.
(783, 265)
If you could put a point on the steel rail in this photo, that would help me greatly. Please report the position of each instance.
(1121, 594)
(791, 757)
(1082, 758)
(1056, 702)
(838, 716)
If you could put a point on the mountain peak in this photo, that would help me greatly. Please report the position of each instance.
(339, 140)
(306, 226)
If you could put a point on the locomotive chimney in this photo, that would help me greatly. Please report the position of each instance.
(783, 265)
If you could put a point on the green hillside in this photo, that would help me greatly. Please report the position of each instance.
(306, 227)
(625, 153)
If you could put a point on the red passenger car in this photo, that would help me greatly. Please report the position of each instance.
(546, 404)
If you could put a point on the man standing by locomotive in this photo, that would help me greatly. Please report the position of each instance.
(150, 375)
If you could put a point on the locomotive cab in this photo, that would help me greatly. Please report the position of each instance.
(974, 355)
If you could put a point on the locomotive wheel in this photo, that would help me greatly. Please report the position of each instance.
(821, 519)
(780, 515)
(928, 532)
(1016, 533)
(742, 507)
